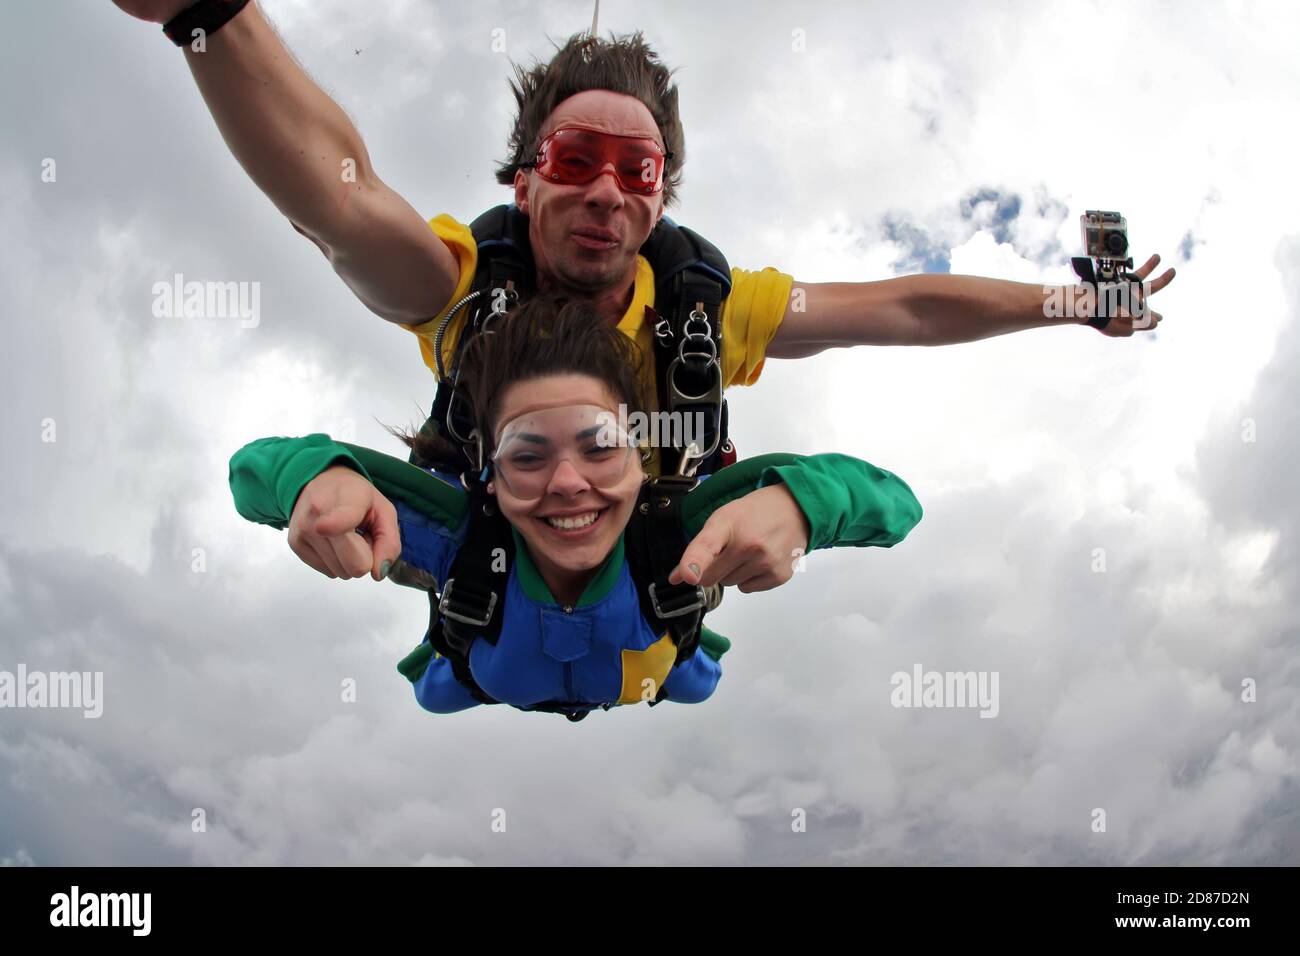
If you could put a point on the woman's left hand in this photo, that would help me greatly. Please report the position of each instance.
(754, 543)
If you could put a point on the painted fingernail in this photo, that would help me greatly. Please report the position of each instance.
(695, 568)
(384, 569)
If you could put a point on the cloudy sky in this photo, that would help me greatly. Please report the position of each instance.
(942, 137)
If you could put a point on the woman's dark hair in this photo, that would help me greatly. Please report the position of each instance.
(547, 335)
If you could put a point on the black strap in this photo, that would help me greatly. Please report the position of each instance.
(1087, 273)
(459, 662)
(206, 15)
(653, 543)
(692, 277)
(473, 596)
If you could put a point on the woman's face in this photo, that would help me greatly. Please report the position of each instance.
(555, 516)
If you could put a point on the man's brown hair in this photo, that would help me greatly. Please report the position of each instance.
(620, 64)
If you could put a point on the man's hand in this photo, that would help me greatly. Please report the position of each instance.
(934, 309)
(753, 543)
(1124, 323)
(155, 11)
(330, 510)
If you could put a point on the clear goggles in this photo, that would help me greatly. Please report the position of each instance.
(576, 155)
(589, 437)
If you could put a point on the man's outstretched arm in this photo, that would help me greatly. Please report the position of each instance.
(303, 152)
(933, 310)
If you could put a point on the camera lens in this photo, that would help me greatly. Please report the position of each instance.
(1116, 243)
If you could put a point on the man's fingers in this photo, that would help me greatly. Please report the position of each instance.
(1142, 321)
(1147, 323)
(1147, 267)
(1165, 278)
(1120, 326)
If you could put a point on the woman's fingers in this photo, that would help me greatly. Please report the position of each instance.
(384, 537)
(343, 527)
(753, 575)
(705, 558)
(763, 582)
(351, 552)
(311, 556)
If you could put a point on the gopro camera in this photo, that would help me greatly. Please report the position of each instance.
(1105, 236)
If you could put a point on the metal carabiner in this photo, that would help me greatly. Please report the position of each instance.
(503, 300)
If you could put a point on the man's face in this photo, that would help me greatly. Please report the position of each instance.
(560, 214)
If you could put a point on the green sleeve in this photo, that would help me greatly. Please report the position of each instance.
(848, 502)
(428, 494)
(267, 475)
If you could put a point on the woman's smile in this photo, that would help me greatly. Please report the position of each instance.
(575, 524)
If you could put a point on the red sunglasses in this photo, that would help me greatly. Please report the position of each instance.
(575, 155)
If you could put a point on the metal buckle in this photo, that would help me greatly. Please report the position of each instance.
(698, 317)
(695, 605)
(503, 300)
(701, 351)
(712, 597)
(659, 486)
(691, 459)
(445, 610)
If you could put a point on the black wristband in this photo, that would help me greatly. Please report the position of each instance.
(1083, 268)
(206, 15)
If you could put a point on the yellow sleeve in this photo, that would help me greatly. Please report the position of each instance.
(460, 241)
(750, 318)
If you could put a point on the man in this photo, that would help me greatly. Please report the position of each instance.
(293, 141)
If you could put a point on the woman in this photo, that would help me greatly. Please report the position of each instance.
(578, 617)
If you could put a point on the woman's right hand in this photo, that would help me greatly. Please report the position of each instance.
(155, 11)
(330, 510)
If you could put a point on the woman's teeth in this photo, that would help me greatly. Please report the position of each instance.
(573, 522)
